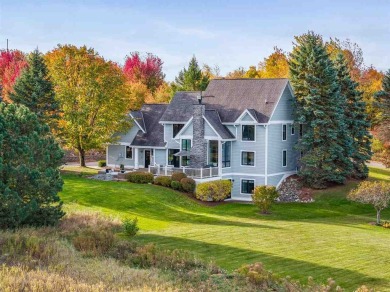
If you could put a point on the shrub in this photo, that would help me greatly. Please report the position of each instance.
(264, 196)
(140, 177)
(386, 224)
(188, 185)
(176, 185)
(257, 275)
(178, 176)
(130, 227)
(95, 242)
(164, 181)
(102, 163)
(217, 190)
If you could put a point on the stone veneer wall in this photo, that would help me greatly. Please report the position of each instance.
(199, 147)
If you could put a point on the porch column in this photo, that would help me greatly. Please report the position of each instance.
(219, 158)
(136, 165)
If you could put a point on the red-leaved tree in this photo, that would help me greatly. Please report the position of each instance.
(147, 70)
(12, 64)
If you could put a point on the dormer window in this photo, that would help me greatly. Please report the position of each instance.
(176, 129)
(248, 133)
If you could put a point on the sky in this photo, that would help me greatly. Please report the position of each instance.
(228, 33)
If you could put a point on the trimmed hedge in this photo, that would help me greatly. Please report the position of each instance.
(178, 176)
(217, 190)
(164, 181)
(102, 163)
(176, 185)
(140, 177)
(188, 185)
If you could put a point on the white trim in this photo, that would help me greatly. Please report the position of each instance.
(284, 150)
(243, 114)
(135, 120)
(182, 149)
(266, 156)
(283, 178)
(281, 122)
(254, 159)
(212, 127)
(261, 175)
(284, 125)
(254, 185)
(242, 125)
(183, 129)
(231, 154)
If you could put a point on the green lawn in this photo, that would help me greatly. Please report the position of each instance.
(328, 238)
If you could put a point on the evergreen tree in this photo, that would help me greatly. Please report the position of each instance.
(34, 90)
(355, 117)
(191, 79)
(320, 108)
(383, 98)
(29, 170)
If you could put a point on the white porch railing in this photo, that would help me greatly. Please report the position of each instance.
(197, 173)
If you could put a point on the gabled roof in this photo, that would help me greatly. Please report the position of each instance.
(180, 109)
(154, 132)
(138, 119)
(213, 118)
(230, 97)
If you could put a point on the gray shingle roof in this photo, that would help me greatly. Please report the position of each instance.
(180, 109)
(138, 117)
(213, 118)
(154, 135)
(230, 97)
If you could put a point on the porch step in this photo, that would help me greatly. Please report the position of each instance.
(240, 198)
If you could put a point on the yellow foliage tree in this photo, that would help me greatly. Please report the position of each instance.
(275, 65)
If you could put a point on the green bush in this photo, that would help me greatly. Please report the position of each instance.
(130, 227)
(164, 181)
(217, 190)
(140, 177)
(264, 196)
(102, 163)
(178, 176)
(188, 185)
(176, 185)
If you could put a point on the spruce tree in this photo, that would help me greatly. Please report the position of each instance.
(29, 170)
(191, 79)
(383, 98)
(320, 108)
(34, 90)
(356, 119)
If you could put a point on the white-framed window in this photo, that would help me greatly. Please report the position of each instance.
(129, 152)
(292, 129)
(176, 128)
(247, 186)
(284, 158)
(226, 153)
(247, 158)
(248, 132)
(186, 146)
(284, 132)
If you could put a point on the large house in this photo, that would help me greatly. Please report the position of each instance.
(237, 129)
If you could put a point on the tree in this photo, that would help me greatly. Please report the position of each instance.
(12, 63)
(34, 90)
(147, 70)
(355, 117)
(213, 72)
(376, 193)
(164, 93)
(93, 94)
(236, 74)
(320, 108)
(252, 73)
(382, 99)
(29, 170)
(191, 78)
(275, 65)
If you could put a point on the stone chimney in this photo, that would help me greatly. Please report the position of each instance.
(198, 151)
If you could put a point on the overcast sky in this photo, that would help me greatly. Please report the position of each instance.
(227, 33)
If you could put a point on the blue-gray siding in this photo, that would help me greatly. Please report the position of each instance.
(284, 110)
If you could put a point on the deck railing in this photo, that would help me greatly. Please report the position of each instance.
(198, 173)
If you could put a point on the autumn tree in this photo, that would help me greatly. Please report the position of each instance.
(237, 73)
(147, 70)
(12, 63)
(375, 193)
(29, 162)
(93, 94)
(275, 65)
(211, 72)
(252, 73)
(191, 78)
(34, 90)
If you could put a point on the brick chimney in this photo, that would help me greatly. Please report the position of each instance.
(199, 148)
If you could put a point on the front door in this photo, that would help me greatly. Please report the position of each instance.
(147, 158)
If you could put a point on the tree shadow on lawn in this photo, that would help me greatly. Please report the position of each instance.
(232, 258)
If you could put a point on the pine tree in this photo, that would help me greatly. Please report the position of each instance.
(34, 90)
(355, 117)
(29, 162)
(320, 108)
(191, 79)
(383, 98)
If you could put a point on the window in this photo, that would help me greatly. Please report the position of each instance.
(176, 129)
(248, 133)
(300, 130)
(213, 152)
(129, 152)
(247, 186)
(284, 134)
(226, 153)
(172, 159)
(292, 129)
(186, 146)
(284, 163)
(248, 158)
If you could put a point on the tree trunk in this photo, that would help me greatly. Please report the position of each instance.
(378, 217)
(82, 157)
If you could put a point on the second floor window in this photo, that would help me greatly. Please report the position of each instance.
(226, 153)
(176, 129)
(284, 133)
(186, 144)
(248, 133)
(248, 158)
